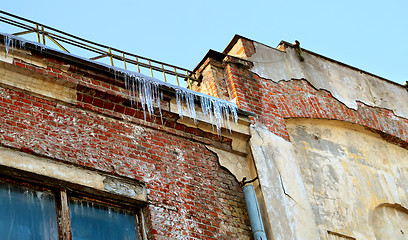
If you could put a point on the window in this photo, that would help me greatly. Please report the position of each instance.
(94, 221)
(27, 213)
(31, 212)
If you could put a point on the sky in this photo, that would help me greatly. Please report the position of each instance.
(369, 35)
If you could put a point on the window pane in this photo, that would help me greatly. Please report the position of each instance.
(94, 221)
(27, 214)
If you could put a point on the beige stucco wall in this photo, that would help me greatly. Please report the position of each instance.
(330, 181)
(348, 172)
(345, 84)
(284, 204)
(390, 221)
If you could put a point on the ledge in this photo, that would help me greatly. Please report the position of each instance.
(58, 174)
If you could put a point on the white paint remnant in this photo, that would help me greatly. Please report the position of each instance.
(180, 156)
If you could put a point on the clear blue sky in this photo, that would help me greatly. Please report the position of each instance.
(370, 35)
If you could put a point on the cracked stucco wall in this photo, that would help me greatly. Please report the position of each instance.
(326, 185)
(347, 172)
(328, 181)
(286, 212)
(345, 84)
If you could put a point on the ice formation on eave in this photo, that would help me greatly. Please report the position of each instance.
(149, 91)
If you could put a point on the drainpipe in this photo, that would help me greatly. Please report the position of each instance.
(254, 213)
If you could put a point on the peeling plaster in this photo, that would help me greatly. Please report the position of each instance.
(346, 84)
(235, 163)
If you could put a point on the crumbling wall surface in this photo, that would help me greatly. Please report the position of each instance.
(349, 171)
(287, 212)
(273, 102)
(190, 196)
(348, 85)
(276, 100)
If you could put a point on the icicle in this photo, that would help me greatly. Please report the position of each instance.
(110, 212)
(148, 90)
(22, 44)
(183, 95)
(10, 41)
(7, 42)
(218, 111)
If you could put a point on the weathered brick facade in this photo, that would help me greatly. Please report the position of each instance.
(190, 196)
(327, 146)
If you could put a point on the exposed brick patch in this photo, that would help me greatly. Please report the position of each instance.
(273, 102)
(246, 49)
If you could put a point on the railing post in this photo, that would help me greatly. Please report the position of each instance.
(37, 30)
(124, 60)
(150, 66)
(137, 64)
(43, 34)
(188, 81)
(164, 73)
(175, 72)
(110, 56)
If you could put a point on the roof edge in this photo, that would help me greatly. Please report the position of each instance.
(210, 54)
(233, 41)
(284, 43)
(236, 37)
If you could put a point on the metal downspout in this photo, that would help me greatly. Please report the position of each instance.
(254, 213)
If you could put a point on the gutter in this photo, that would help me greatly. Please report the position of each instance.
(254, 212)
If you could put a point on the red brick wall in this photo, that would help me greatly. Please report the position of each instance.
(213, 80)
(189, 195)
(248, 47)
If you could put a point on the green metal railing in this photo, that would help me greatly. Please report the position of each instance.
(156, 69)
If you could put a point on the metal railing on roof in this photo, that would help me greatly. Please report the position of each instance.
(156, 69)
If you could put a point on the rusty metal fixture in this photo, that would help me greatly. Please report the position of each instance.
(244, 181)
(299, 50)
